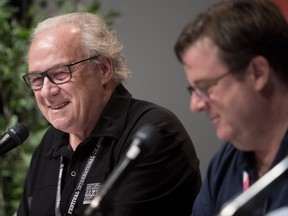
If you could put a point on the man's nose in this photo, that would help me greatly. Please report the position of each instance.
(197, 103)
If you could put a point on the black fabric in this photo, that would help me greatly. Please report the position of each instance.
(164, 181)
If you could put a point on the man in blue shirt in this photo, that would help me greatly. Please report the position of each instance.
(235, 57)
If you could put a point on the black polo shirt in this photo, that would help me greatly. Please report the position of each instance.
(164, 181)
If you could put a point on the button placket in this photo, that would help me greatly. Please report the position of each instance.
(73, 173)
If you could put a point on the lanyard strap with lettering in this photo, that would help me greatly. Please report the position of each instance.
(80, 183)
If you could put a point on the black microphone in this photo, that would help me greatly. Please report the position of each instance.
(142, 142)
(14, 136)
(246, 201)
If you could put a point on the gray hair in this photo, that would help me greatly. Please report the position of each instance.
(97, 39)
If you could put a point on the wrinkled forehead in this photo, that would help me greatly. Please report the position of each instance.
(62, 37)
(55, 46)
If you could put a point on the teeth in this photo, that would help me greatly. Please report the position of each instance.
(59, 106)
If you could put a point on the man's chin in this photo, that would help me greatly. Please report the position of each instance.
(60, 124)
(222, 134)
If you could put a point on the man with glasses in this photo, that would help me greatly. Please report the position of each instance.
(235, 59)
(76, 71)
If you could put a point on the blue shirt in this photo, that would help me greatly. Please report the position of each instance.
(224, 181)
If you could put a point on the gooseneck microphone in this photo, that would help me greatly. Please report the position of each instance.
(143, 141)
(14, 136)
(245, 202)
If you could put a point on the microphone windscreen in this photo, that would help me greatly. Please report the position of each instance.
(19, 133)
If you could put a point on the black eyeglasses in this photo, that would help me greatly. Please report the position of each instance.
(201, 87)
(57, 75)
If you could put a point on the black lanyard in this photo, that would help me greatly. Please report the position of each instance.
(80, 183)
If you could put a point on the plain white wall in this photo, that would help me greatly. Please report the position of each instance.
(148, 30)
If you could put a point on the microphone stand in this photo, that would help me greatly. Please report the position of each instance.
(258, 191)
(140, 143)
(98, 204)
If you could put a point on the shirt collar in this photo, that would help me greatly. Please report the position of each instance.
(247, 157)
(113, 119)
(111, 124)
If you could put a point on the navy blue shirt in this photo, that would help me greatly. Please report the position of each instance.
(224, 181)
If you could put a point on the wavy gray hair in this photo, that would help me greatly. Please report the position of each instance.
(97, 39)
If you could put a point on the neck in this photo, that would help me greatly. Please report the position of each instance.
(80, 134)
(271, 143)
(271, 130)
(263, 165)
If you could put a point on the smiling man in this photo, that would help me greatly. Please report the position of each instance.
(76, 70)
(235, 60)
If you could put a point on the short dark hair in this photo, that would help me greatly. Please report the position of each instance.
(242, 29)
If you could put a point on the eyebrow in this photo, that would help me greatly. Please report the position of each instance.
(203, 80)
(55, 66)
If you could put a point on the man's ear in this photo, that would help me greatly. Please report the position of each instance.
(106, 70)
(260, 71)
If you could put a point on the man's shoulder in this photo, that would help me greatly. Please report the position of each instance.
(151, 108)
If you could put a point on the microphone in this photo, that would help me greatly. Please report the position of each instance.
(14, 136)
(142, 142)
(243, 203)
